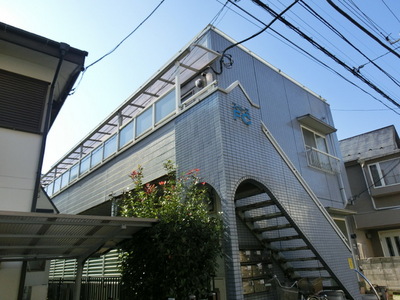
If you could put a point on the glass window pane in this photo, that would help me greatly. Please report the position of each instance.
(97, 156)
(49, 189)
(110, 146)
(144, 121)
(390, 246)
(309, 139)
(321, 143)
(165, 106)
(126, 134)
(375, 175)
(57, 184)
(65, 179)
(390, 171)
(85, 164)
(73, 173)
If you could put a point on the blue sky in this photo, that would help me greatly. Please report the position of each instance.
(98, 26)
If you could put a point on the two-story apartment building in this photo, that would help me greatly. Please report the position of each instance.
(265, 145)
(372, 163)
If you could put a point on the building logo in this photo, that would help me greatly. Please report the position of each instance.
(241, 113)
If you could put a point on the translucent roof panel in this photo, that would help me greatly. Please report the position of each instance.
(187, 64)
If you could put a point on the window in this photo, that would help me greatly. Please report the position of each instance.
(165, 106)
(49, 189)
(144, 121)
(390, 241)
(385, 173)
(85, 164)
(73, 173)
(317, 151)
(64, 179)
(314, 140)
(110, 146)
(126, 134)
(57, 184)
(97, 156)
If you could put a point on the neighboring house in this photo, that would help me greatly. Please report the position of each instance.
(372, 162)
(264, 144)
(36, 75)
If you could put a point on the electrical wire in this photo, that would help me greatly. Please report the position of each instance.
(343, 13)
(354, 197)
(333, 29)
(303, 51)
(116, 47)
(366, 19)
(394, 15)
(212, 22)
(223, 55)
(326, 52)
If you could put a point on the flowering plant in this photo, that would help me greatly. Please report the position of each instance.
(177, 256)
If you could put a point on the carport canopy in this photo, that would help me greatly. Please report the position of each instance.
(32, 236)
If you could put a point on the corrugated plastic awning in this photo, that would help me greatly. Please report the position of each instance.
(186, 64)
(32, 236)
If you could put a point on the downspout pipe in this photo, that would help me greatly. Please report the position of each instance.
(63, 51)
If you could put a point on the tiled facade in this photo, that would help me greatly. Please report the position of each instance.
(246, 137)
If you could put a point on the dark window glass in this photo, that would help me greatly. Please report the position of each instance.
(390, 246)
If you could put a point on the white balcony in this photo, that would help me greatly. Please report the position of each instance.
(323, 161)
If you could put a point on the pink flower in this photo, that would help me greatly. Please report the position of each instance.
(203, 183)
(134, 174)
(162, 182)
(149, 188)
(192, 171)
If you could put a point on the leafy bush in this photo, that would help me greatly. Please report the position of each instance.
(177, 256)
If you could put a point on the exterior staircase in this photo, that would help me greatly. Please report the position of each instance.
(279, 234)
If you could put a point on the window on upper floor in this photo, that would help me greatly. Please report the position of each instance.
(317, 151)
(385, 173)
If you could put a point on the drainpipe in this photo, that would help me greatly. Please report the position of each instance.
(63, 51)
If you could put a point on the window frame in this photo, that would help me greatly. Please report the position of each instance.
(314, 132)
(381, 174)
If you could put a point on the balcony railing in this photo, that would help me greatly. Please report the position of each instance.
(323, 161)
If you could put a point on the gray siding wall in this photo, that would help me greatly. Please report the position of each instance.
(282, 102)
(111, 178)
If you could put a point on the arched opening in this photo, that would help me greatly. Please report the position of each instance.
(271, 245)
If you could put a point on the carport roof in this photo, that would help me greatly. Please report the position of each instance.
(32, 236)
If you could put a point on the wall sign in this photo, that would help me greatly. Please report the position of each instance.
(241, 113)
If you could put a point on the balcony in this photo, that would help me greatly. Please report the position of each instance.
(321, 160)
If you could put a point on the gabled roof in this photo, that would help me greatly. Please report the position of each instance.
(22, 48)
(380, 142)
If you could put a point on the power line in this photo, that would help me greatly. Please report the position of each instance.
(338, 9)
(354, 197)
(326, 52)
(333, 29)
(125, 38)
(303, 51)
(115, 48)
(278, 16)
(394, 15)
